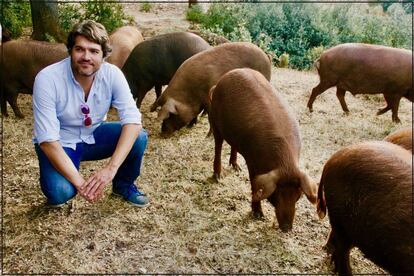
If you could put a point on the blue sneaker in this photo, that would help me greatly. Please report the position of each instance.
(134, 196)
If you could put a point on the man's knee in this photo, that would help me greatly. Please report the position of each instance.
(59, 193)
(140, 143)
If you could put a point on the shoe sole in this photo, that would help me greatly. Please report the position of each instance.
(131, 203)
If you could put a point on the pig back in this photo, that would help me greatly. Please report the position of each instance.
(123, 41)
(368, 191)
(365, 68)
(402, 137)
(198, 74)
(158, 58)
(253, 117)
(23, 59)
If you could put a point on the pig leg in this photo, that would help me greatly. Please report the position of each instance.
(139, 99)
(329, 246)
(393, 103)
(158, 90)
(13, 103)
(192, 122)
(340, 94)
(317, 90)
(3, 105)
(233, 159)
(257, 210)
(340, 253)
(218, 142)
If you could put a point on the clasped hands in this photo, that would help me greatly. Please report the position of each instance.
(92, 188)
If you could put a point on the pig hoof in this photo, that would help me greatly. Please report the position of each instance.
(214, 178)
(258, 215)
(285, 228)
(236, 167)
(329, 248)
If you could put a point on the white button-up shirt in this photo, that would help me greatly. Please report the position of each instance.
(57, 100)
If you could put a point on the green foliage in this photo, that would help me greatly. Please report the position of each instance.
(284, 60)
(226, 17)
(313, 54)
(303, 30)
(69, 15)
(146, 7)
(109, 14)
(195, 14)
(15, 16)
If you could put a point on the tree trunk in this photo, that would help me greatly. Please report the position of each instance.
(45, 20)
(192, 2)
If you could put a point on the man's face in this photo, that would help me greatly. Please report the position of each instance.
(86, 57)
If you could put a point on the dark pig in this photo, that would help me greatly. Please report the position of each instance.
(247, 113)
(154, 61)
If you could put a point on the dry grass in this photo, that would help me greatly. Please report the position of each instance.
(193, 225)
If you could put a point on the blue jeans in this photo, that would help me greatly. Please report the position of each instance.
(58, 189)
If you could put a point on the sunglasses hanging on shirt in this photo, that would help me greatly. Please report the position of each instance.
(87, 121)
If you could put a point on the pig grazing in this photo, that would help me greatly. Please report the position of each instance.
(402, 137)
(154, 61)
(366, 69)
(123, 41)
(187, 94)
(20, 63)
(367, 190)
(247, 112)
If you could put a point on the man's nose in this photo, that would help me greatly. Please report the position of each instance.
(86, 55)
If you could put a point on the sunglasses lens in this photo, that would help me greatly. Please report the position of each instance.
(85, 109)
(87, 121)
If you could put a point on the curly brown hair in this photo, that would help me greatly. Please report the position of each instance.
(93, 31)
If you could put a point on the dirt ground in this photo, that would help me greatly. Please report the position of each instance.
(192, 225)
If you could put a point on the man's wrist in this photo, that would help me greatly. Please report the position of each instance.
(113, 167)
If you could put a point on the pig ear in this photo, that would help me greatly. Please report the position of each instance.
(309, 187)
(166, 109)
(185, 112)
(264, 185)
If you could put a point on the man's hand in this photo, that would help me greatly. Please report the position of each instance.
(93, 187)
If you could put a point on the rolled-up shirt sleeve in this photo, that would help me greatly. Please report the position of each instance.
(123, 101)
(46, 123)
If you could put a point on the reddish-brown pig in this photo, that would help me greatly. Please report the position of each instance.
(154, 61)
(19, 65)
(247, 113)
(402, 137)
(366, 69)
(187, 94)
(367, 190)
(123, 41)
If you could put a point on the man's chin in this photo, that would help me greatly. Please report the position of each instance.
(87, 73)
